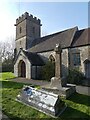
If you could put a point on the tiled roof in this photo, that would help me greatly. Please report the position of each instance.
(68, 38)
(82, 37)
(34, 58)
(49, 42)
(39, 40)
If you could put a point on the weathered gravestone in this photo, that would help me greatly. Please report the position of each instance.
(58, 84)
(57, 81)
(46, 102)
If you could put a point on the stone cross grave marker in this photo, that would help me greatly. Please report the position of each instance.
(57, 81)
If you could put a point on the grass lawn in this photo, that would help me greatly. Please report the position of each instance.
(78, 106)
(6, 76)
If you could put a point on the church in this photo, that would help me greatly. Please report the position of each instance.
(33, 51)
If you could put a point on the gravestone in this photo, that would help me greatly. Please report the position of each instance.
(58, 81)
(58, 84)
(41, 100)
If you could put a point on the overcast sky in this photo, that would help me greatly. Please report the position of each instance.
(54, 17)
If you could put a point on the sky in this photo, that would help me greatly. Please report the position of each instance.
(55, 16)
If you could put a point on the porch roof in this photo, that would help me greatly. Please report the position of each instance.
(34, 58)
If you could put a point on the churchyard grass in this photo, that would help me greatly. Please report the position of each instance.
(78, 106)
(6, 76)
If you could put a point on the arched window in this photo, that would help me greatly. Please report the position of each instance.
(51, 58)
(76, 59)
(20, 42)
(33, 29)
(20, 30)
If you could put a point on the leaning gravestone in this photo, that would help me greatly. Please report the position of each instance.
(41, 100)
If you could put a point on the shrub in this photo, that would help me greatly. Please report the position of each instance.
(48, 71)
(75, 76)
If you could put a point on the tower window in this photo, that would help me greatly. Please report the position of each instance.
(20, 30)
(20, 42)
(33, 30)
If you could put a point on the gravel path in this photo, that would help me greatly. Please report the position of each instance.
(30, 81)
(79, 89)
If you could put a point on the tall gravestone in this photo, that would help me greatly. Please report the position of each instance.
(58, 81)
(58, 63)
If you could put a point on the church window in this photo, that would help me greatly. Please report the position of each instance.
(33, 30)
(52, 59)
(20, 42)
(20, 30)
(76, 59)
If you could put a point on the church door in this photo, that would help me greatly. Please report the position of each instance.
(22, 69)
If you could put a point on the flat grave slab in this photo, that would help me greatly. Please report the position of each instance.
(42, 100)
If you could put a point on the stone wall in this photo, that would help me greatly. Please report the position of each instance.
(67, 58)
(28, 65)
(45, 56)
(20, 43)
(65, 62)
(33, 29)
(84, 54)
(36, 72)
(27, 29)
(33, 72)
(23, 33)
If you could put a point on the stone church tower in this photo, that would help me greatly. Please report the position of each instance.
(27, 29)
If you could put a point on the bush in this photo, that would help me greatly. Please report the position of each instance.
(48, 71)
(75, 76)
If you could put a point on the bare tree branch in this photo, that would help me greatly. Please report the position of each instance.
(7, 49)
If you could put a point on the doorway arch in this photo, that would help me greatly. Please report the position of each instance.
(22, 69)
(87, 68)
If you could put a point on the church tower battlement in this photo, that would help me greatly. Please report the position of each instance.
(29, 17)
(28, 28)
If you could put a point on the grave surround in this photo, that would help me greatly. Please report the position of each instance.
(42, 100)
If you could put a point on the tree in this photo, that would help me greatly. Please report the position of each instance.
(7, 54)
(6, 49)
